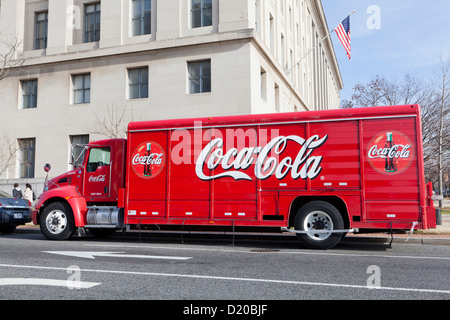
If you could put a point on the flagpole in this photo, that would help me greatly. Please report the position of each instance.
(317, 45)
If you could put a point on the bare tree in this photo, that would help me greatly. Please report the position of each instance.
(10, 62)
(111, 125)
(434, 100)
(383, 92)
(8, 150)
(366, 95)
(442, 112)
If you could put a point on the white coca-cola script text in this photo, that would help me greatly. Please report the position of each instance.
(154, 158)
(303, 166)
(394, 152)
(100, 178)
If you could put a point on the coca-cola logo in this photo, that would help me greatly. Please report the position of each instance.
(268, 160)
(390, 152)
(100, 178)
(148, 160)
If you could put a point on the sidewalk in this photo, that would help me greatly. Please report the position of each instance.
(443, 229)
(440, 235)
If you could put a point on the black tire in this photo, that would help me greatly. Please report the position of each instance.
(57, 222)
(319, 215)
(7, 228)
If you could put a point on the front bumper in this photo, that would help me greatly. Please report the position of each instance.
(34, 216)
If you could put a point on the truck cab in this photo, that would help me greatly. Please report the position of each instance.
(88, 195)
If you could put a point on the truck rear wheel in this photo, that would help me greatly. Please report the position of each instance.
(319, 216)
(57, 222)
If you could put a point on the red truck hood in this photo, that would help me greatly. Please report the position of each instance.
(60, 180)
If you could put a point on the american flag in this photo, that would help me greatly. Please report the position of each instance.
(343, 33)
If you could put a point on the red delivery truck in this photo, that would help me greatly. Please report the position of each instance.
(319, 174)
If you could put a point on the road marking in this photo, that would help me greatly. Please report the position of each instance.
(297, 252)
(193, 276)
(93, 254)
(45, 282)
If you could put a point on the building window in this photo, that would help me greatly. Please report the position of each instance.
(27, 152)
(141, 20)
(277, 97)
(41, 30)
(199, 76)
(29, 94)
(201, 13)
(263, 84)
(272, 33)
(282, 7)
(92, 23)
(81, 88)
(138, 83)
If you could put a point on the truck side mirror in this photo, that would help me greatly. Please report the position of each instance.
(47, 167)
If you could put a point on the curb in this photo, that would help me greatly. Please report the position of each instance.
(433, 240)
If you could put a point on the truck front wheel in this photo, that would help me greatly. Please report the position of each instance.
(316, 218)
(57, 222)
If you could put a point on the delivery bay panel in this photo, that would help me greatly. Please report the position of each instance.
(186, 146)
(148, 166)
(233, 159)
(340, 165)
(278, 169)
(390, 159)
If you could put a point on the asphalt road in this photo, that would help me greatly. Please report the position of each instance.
(155, 266)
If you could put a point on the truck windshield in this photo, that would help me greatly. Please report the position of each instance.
(98, 157)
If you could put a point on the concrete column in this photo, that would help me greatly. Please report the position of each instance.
(111, 23)
(62, 18)
(12, 24)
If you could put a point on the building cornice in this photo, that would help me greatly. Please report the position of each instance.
(40, 58)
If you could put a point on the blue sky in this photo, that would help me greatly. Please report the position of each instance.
(408, 37)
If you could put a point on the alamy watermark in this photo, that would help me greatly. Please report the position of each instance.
(74, 279)
(73, 21)
(374, 280)
(374, 20)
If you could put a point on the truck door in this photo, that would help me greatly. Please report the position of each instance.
(97, 173)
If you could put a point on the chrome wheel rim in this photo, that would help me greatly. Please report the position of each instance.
(56, 222)
(318, 221)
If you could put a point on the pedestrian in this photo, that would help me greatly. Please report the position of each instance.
(17, 193)
(29, 193)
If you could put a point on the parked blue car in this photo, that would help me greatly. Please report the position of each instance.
(13, 212)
